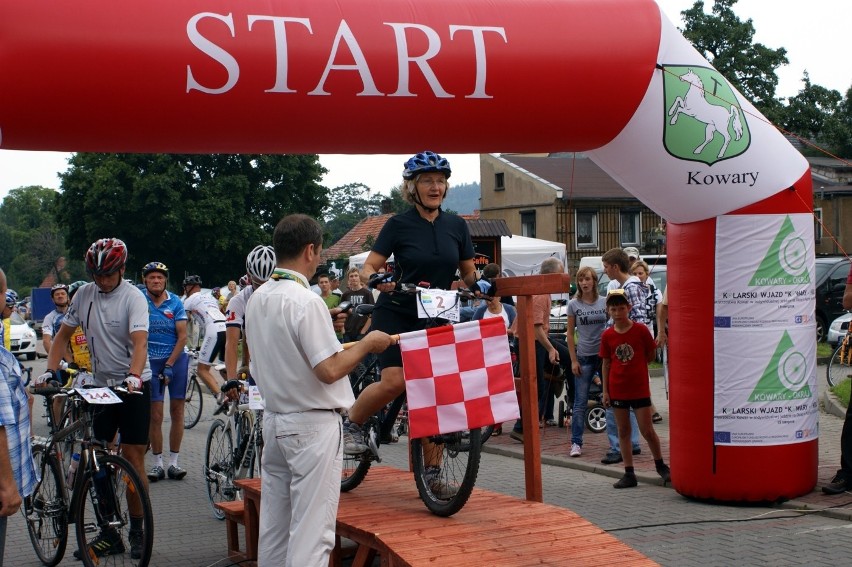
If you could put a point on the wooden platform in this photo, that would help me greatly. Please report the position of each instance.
(386, 518)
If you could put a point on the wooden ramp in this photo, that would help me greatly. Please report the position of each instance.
(386, 518)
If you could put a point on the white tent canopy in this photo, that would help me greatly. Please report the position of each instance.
(521, 255)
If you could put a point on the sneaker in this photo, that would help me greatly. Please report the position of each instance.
(637, 450)
(438, 486)
(156, 473)
(135, 538)
(627, 481)
(517, 435)
(838, 485)
(657, 418)
(576, 450)
(611, 458)
(665, 472)
(176, 473)
(353, 439)
(107, 543)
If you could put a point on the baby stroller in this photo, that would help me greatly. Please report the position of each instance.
(595, 414)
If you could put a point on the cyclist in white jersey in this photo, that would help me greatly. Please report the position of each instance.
(205, 312)
(260, 264)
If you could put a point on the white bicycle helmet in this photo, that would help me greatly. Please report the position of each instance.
(260, 263)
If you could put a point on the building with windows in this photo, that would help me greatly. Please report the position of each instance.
(566, 197)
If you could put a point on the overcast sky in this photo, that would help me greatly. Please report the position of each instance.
(814, 33)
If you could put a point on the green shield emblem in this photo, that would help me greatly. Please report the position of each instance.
(703, 118)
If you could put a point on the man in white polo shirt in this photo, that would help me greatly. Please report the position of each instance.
(302, 372)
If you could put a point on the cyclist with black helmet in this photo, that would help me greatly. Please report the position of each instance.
(260, 263)
(114, 317)
(428, 245)
(205, 312)
(169, 367)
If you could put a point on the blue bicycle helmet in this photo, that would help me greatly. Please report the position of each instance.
(426, 162)
(11, 298)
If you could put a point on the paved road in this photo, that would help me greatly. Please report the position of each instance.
(657, 521)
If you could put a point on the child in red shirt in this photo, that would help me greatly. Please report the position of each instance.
(626, 349)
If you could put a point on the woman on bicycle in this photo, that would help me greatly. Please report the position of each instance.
(428, 245)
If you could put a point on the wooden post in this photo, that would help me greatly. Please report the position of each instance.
(524, 287)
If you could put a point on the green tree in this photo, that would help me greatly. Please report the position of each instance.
(837, 129)
(195, 213)
(347, 206)
(808, 112)
(728, 43)
(32, 240)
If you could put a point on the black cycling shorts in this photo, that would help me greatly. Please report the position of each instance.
(131, 418)
(635, 404)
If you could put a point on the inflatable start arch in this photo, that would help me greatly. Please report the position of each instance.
(612, 78)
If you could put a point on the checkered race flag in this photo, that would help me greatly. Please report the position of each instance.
(458, 377)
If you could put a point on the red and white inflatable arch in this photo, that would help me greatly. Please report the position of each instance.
(609, 77)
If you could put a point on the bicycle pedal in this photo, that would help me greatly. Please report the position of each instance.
(374, 447)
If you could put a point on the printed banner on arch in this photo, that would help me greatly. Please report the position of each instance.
(458, 377)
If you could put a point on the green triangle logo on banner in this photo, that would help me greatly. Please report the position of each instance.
(785, 262)
(785, 377)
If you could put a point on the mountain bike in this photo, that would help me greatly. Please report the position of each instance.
(103, 492)
(194, 401)
(234, 449)
(457, 454)
(840, 365)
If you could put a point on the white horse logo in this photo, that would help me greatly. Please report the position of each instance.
(716, 117)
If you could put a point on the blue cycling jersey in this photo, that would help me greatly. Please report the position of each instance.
(162, 335)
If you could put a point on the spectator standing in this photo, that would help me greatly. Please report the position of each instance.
(626, 349)
(206, 315)
(302, 371)
(18, 475)
(260, 263)
(51, 322)
(547, 351)
(587, 314)
(169, 367)
(114, 316)
(842, 480)
(357, 294)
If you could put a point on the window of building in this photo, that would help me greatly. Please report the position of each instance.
(587, 229)
(499, 182)
(818, 225)
(528, 224)
(631, 228)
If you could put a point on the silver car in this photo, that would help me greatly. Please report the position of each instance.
(838, 328)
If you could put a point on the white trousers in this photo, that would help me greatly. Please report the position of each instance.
(300, 488)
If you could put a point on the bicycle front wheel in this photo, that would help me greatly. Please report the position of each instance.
(840, 366)
(219, 466)
(445, 469)
(115, 524)
(45, 511)
(193, 403)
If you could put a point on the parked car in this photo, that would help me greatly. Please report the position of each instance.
(837, 330)
(830, 283)
(23, 337)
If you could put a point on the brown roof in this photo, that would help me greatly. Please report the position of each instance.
(487, 227)
(352, 242)
(589, 180)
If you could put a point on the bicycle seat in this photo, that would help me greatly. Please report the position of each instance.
(364, 308)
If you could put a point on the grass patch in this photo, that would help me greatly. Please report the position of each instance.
(824, 350)
(842, 392)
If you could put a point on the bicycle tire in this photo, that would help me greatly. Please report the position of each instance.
(459, 455)
(106, 506)
(485, 433)
(193, 403)
(46, 510)
(839, 368)
(219, 466)
(245, 427)
(355, 468)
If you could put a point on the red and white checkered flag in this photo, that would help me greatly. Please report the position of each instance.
(458, 377)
